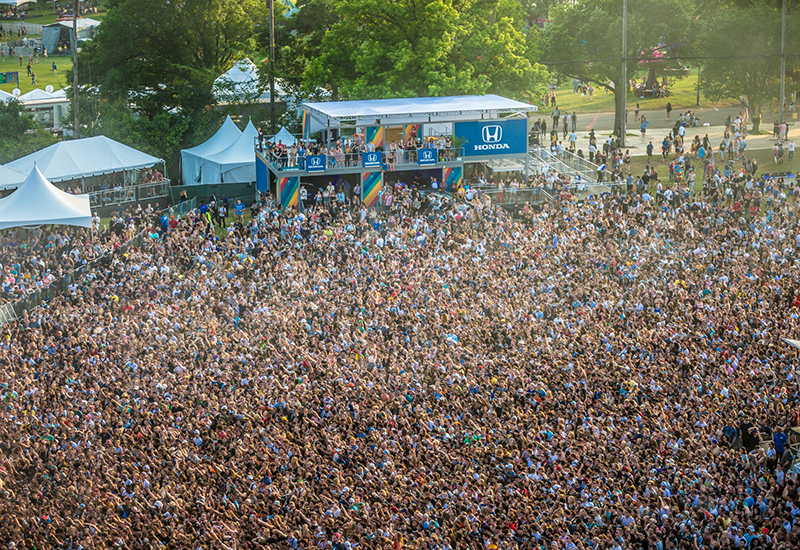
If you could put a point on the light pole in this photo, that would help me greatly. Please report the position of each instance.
(75, 105)
(272, 63)
(624, 82)
(783, 63)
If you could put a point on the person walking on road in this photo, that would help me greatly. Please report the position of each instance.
(669, 109)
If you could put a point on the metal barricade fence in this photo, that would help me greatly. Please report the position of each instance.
(11, 311)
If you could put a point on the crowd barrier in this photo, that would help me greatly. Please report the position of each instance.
(13, 310)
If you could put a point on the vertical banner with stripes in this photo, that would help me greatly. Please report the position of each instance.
(412, 131)
(370, 187)
(452, 178)
(262, 173)
(306, 125)
(288, 191)
(375, 135)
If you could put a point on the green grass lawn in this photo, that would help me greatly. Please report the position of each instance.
(683, 94)
(43, 71)
(45, 15)
(766, 165)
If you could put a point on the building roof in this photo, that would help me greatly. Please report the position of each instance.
(415, 108)
(92, 156)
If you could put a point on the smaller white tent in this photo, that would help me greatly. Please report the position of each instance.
(5, 96)
(235, 164)
(35, 95)
(10, 179)
(284, 137)
(241, 83)
(16, 3)
(39, 202)
(192, 158)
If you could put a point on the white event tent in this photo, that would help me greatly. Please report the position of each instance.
(16, 3)
(39, 202)
(191, 159)
(235, 164)
(5, 96)
(83, 158)
(10, 179)
(284, 137)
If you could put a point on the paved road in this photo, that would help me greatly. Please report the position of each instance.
(604, 122)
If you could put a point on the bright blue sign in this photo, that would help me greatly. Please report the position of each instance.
(372, 159)
(316, 163)
(427, 157)
(493, 137)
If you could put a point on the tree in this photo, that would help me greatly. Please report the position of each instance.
(427, 48)
(168, 55)
(21, 134)
(757, 76)
(584, 40)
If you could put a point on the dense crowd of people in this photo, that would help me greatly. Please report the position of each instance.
(605, 375)
(32, 259)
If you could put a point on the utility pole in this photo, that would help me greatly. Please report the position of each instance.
(75, 105)
(624, 82)
(271, 63)
(783, 63)
(699, 70)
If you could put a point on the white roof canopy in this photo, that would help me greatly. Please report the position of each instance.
(5, 96)
(284, 137)
(39, 202)
(192, 158)
(35, 95)
(16, 3)
(235, 164)
(92, 156)
(241, 83)
(10, 179)
(415, 109)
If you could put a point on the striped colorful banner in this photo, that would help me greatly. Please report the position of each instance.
(289, 189)
(306, 126)
(412, 131)
(262, 173)
(375, 135)
(452, 178)
(370, 187)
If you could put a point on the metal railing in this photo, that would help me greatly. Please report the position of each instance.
(388, 159)
(570, 164)
(11, 311)
(130, 193)
(517, 195)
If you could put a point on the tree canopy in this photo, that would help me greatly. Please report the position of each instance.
(21, 134)
(168, 54)
(756, 76)
(584, 39)
(427, 48)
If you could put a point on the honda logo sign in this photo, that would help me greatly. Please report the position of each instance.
(493, 137)
(492, 134)
(315, 161)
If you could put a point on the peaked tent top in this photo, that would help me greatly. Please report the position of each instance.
(9, 179)
(39, 202)
(240, 151)
(5, 96)
(92, 156)
(222, 138)
(35, 95)
(283, 136)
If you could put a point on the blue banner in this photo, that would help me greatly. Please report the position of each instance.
(427, 157)
(316, 163)
(493, 137)
(372, 159)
